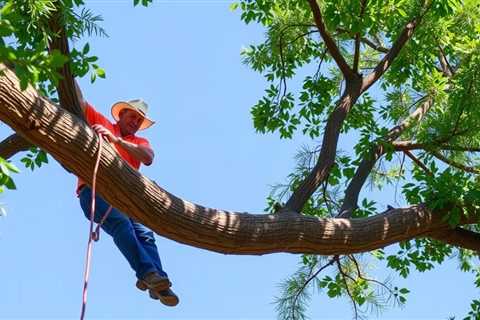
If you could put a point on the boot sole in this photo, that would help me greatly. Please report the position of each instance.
(159, 286)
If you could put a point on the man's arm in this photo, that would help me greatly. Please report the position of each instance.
(142, 153)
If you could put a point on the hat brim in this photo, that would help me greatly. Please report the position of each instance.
(119, 106)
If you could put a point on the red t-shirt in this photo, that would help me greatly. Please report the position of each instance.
(94, 117)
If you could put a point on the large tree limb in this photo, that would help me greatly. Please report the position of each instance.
(337, 56)
(74, 144)
(459, 237)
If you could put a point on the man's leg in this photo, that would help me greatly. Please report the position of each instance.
(146, 238)
(121, 229)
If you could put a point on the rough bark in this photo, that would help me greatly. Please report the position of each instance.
(74, 144)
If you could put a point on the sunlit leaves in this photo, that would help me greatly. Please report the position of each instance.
(34, 158)
(6, 170)
(26, 24)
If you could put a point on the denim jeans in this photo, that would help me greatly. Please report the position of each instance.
(135, 241)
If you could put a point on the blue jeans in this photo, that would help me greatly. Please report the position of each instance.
(135, 241)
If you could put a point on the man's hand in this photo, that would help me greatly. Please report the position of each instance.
(101, 130)
(142, 153)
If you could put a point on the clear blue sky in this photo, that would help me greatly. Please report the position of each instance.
(183, 58)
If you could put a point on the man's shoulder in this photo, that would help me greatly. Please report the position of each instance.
(95, 117)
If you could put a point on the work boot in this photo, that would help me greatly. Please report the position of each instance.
(167, 297)
(153, 282)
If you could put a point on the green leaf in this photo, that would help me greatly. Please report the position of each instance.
(10, 184)
(86, 48)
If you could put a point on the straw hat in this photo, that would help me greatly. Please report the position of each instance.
(137, 105)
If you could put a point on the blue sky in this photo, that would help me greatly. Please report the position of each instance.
(183, 58)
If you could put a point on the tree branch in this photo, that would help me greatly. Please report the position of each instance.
(459, 237)
(347, 72)
(409, 145)
(418, 162)
(74, 144)
(446, 67)
(12, 145)
(326, 159)
(388, 59)
(366, 41)
(365, 167)
(66, 86)
(356, 54)
(452, 163)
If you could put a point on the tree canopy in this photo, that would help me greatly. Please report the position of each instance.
(398, 78)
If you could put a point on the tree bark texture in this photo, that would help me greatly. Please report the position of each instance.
(12, 145)
(74, 144)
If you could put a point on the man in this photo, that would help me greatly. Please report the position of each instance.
(134, 240)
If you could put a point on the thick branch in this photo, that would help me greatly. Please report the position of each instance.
(363, 171)
(74, 144)
(66, 86)
(347, 72)
(459, 237)
(326, 159)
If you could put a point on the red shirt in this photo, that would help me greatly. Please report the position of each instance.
(94, 117)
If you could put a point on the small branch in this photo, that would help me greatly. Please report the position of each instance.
(388, 59)
(12, 145)
(452, 163)
(418, 162)
(356, 55)
(375, 46)
(329, 263)
(409, 145)
(446, 67)
(348, 73)
(344, 277)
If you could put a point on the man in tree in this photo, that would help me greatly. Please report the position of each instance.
(134, 240)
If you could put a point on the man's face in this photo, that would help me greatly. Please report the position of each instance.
(129, 121)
